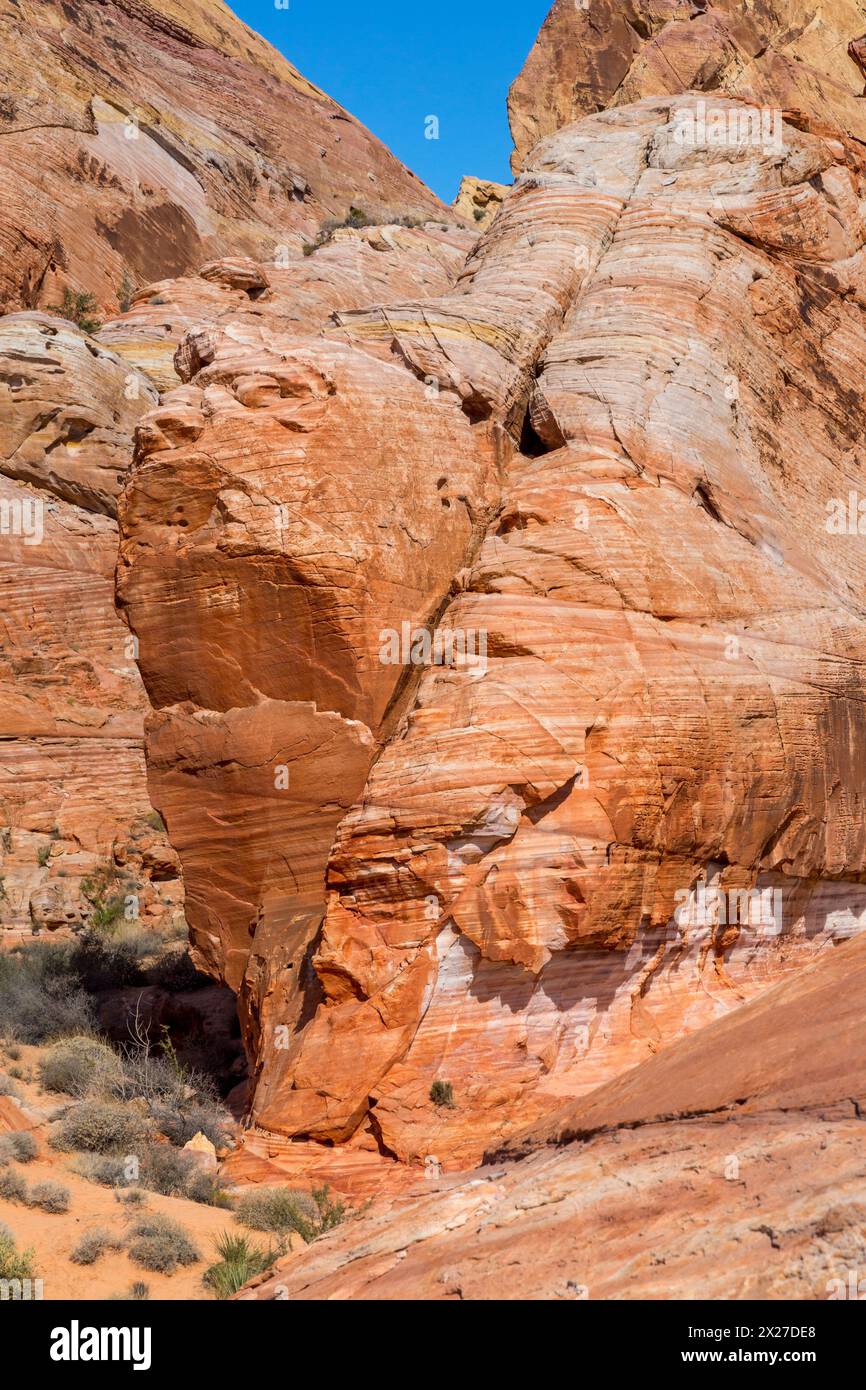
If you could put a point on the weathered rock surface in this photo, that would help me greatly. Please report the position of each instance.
(479, 200)
(629, 799)
(792, 54)
(355, 267)
(73, 793)
(692, 1181)
(296, 498)
(671, 700)
(141, 140)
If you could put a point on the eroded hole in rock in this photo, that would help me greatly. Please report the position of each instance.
(74, 431)
(703, 495)
(531, 443)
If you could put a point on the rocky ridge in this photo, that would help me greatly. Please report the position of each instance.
(142, 140)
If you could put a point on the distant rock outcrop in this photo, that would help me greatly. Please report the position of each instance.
(479, 200)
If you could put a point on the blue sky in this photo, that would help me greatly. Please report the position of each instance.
(392, 63)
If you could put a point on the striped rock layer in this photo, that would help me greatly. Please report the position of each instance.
(661, 706)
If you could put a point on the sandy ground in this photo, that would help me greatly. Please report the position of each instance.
(53, 1237)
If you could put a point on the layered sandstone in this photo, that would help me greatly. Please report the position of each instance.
(667, 709)
(152, 146)
(73, 791)
(352, 268)
(683, 1180)
(798, 55)
(296, 498)
(670, 706)
(142, 140)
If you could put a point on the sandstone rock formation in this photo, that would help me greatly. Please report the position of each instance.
(495, 578)
(527, 898)
(596, 54)
(141, 140)
(598, 466)
(479, 200)
(73, 798)
(683, 1180)
(352, 268)
(296, 498)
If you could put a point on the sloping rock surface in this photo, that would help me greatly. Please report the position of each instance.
(802, 56)
(140, 141)
(645, 804)
(667, 1200)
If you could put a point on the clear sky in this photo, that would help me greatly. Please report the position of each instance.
(393, 63)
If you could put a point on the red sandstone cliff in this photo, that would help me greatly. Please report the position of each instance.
(670, 698)
(515, 899)
(141, 140)
(140, 143)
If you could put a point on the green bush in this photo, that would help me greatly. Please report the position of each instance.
(14, 1264)
(355, 217)
(442, 1094)
(280, 1210)
(111, 960)
(49, 1196)
(161, 1169)
(8, 1087)
(160, 1244)
(181, 1123)
(74, 1066)
(79, 308)
(125, 291)
(101, 1168)
(165, 1170)
(181, 1101)
(101, 1127)
(238, 1263)
(94, 1244)
(208, 1189)
(173, 1173)
(106, 890)
(132, 1197)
